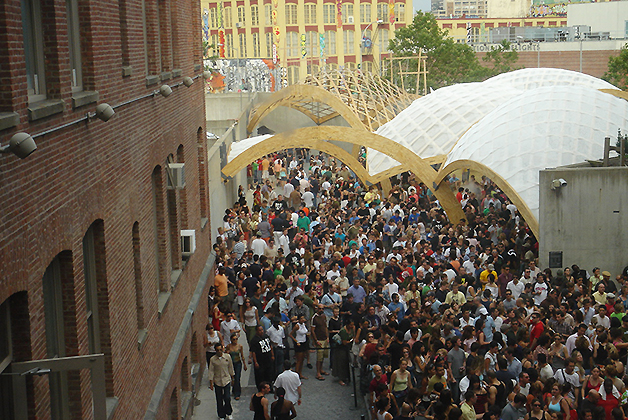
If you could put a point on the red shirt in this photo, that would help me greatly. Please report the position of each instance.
(608, 405)
(375, 382)
(536, 331)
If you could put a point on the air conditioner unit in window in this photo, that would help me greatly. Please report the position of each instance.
(188, 242)
(239, 24)
(350, 20)
(176, 176)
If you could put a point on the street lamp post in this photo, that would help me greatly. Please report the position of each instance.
(378, 21)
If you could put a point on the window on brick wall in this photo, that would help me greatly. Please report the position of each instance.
(330, 42)
(242, 41)
(309, 10)
(165, 36)
(137, 274)
(269, 44)
(33, 50)
(329, 14)
(347, 10)
(60, 321)
(365, 13)
(383, 40)
(213, 17)
(227, 17)
(241, 16)
(400, 12)
(229, 46)
(124, 31)
(292, 44)
(97, 297)
(201, 140)
(312, 43)
(256, 49)
(74, 43)
(291, 14)
(145, 35)
(268, 14)
(6, 347)
(254, 15)
(159, 229)
(382, 11)
(348, 38)
(293, 74)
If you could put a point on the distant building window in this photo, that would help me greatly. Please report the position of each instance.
(242, 39)
(74, 42)
(213, 17)
(254, 15)
(347, 11)
(349, 41)
(292, 44)
(382, 11)
(312, 43)
(330, 42)
(400, 12)
(383, 40)
(268, 14)
(241, 16)
(227, 17)
(269, 44)
(293, 75)
(365, 13)
(291, 14)
(256, 45)
(310, 13)
(329, 14)
(229, 45)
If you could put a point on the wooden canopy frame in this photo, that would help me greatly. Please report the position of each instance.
(512, 194)
(311, 137)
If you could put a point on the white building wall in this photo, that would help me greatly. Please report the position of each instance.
(602, 17)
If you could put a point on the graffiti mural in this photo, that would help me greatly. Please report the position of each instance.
(243, 75)
(542, 10)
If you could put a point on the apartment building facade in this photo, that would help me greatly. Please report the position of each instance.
(304, 36)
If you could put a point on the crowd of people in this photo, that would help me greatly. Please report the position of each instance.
(440, 320)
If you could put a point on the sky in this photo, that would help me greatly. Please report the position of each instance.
(424, 5)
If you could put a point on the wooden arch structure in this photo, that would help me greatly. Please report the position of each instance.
(310, 136)
(512, 194)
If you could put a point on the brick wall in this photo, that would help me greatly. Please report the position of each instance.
(594, 63)
(102, 171)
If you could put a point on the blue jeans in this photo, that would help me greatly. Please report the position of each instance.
(223, 400)
(279, 357)
(237, 389)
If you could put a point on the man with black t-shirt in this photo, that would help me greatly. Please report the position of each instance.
(280, 204)
(263, 356)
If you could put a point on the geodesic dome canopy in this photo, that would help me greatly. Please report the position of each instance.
(542, 128)
(432, 124)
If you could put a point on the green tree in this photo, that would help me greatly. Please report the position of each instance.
(448, 62)
(617, 73)
(501, 59)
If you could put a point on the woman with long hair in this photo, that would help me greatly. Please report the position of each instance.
(282, 409)
(383, 405)
(299, 335)
(537, 412)
(251, 319)
(235, 350)
(340, 362)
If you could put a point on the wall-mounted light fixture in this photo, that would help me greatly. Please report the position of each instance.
(103, 112)
(165, 91)
(21, 145)
(188, 81)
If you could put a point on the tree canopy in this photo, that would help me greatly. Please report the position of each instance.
(448, 62)
(617, 73)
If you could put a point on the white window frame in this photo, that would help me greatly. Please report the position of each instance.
(400, 12)
(242, 15)
(229, 45)
(268, 14)
(242, 43)
(348, 40)
(213, 18)
(309, 10)
(329, 14)
(256, 49)
(382, 11)
(293, 44)
(291, 14)
(347, 10)
(227, 17)
(254, 15)
(330, 43)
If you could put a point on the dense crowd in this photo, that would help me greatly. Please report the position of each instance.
(440, 320)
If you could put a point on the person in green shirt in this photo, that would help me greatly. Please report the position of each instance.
(303, 222)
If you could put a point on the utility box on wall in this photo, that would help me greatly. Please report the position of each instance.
(585, 218)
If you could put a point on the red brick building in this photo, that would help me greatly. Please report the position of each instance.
(90, 223)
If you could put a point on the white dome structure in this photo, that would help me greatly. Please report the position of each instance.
(432, 124)
(542, 128)
(526, 79)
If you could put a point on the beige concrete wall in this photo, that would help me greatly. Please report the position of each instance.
(601, 17)
(508, 9)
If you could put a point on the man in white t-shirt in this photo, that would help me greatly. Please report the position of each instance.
(308, 198)
(516, 287)
(229, 327)
(540, 290)
(258, 245)
(291, 382)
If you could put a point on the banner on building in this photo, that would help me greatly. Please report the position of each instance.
(221, 43)
(391, 11)
(321, 42)
(303, 49)
(339, 14)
